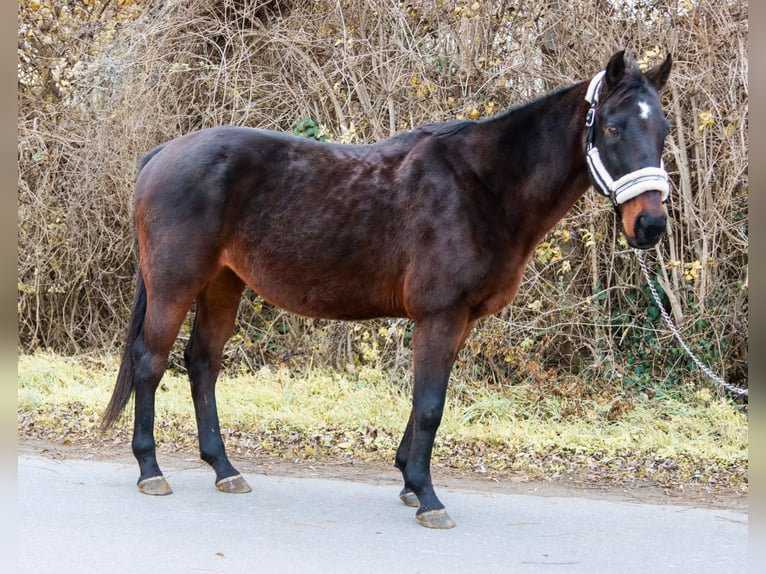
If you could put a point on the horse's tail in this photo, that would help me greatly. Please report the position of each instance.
(123, 389)
(143, 160)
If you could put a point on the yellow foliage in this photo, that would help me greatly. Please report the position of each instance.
(706, 120)
(691, 270)
(548, 252)
(650, 57)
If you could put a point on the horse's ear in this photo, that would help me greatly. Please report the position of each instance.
(659, 75)
(615, 69)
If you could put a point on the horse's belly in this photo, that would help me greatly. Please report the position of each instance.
(330, 301)
(338, 292)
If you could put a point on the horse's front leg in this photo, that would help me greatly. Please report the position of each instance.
(436, 342)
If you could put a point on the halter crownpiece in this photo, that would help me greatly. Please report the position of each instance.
(629, 185)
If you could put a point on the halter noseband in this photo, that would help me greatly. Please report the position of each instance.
(629, 185)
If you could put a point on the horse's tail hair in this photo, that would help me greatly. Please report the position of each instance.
(123, 389)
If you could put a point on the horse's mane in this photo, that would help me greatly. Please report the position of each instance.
(443, 129)
(632, 81)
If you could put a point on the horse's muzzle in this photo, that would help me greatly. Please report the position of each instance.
(648, 230)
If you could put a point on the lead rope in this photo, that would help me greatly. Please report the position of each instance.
(704, 368)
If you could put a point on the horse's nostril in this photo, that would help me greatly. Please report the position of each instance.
(651, 226)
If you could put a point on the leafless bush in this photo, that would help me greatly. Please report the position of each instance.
(97, 98)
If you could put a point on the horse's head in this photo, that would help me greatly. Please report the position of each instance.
(626, 132)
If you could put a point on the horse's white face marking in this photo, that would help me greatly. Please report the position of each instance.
(645, 110)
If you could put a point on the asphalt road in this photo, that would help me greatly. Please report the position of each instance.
(87, 516)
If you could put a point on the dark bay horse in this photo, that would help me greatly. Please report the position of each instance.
(435, 224)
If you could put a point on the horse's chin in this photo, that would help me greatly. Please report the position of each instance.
(643, 244)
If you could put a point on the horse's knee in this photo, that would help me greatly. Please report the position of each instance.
(428, 413)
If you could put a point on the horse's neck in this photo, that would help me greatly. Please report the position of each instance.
(539, 155)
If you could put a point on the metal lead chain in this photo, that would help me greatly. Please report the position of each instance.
(704, 368)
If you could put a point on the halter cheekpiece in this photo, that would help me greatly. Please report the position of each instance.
(629, 185)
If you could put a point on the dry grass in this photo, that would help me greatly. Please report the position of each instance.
(326, 414)
(98, 88)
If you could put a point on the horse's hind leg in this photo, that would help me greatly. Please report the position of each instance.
(150, 355)
(216, 311)
(406, 495)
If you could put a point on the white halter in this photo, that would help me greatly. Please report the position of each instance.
(629, 185)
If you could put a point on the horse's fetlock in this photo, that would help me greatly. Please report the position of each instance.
(142, 446)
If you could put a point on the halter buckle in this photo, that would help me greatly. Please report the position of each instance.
(590, 118)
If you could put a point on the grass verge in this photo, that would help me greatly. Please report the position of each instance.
(510, 431)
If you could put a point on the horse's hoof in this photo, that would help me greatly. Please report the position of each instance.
(408, 497)
(438, 519)
(234, 484)
(155, 486)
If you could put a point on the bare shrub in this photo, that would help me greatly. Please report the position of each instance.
(359, 72)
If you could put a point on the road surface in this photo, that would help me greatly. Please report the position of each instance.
(87, 516)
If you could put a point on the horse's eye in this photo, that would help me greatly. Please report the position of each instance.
(612, 131)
